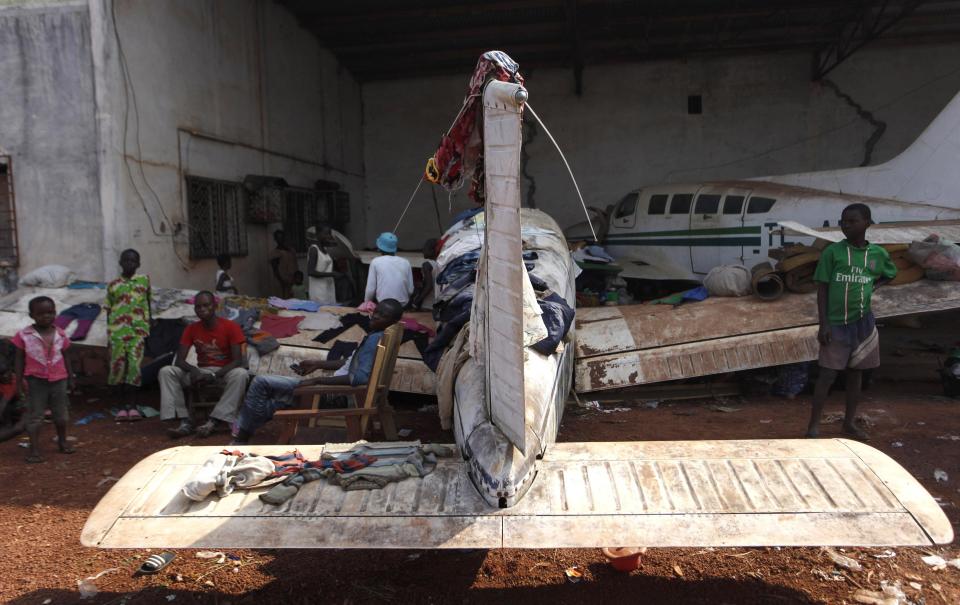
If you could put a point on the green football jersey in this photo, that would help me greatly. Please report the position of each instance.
(850, 273)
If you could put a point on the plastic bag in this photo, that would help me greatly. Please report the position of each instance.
(49, 276)
(728, 280)
(939, 257)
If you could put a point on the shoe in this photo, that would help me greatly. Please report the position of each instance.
(183, 430)
(155, 563)
(207, 428)
(133, 415)
(122, 416)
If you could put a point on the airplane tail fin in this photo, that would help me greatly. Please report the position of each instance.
(498, 316)
(925, 172)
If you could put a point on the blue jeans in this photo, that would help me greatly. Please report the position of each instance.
(266, 395)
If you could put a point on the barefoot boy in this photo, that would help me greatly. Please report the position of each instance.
(41, 362)
(848, 335)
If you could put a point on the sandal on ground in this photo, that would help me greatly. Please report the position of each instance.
(66, 448)
(155, 563)
(185, 429)
(34, 459)
(207, 428)
(122, 416)
(133, 415)
(856, 433)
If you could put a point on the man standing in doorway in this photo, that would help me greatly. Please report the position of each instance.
(283, 261)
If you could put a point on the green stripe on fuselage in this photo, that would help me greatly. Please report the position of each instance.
(752, 230)
(684, 241)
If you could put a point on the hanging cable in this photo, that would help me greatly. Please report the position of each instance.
(405, 208)
(569, 171)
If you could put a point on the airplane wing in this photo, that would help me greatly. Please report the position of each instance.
(883, 233)
(639, 344)
(634, 270)
(658, 494)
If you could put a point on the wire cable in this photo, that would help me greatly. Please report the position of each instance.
(569, 170)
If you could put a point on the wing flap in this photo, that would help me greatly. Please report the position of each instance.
(658, 494)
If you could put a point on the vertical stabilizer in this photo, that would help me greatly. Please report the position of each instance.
(502, 275)
(925, 172)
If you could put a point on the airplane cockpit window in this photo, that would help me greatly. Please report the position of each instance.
(707, 204)
(759, 205)
(680, 204)
(658, 204)
(733, 204)
(627, 206)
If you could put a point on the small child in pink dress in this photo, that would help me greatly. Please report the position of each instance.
(41, 364)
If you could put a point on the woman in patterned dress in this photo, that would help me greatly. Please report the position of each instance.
(128, 325)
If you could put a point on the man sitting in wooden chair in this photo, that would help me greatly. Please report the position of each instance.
(353, 375)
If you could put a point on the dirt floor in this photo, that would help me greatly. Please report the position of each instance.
(44, 507)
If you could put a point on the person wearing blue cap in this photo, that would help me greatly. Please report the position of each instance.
(390, 276)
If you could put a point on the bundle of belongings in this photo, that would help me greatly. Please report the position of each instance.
(456, 283)
(365, 466)
(797, 263)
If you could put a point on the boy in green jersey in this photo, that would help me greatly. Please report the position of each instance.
(848, 337)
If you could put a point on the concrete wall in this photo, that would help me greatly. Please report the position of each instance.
(47, 125)
(242, 70)
(761, 115)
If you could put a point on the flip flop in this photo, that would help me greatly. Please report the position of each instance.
(155, 563)
(122, 416)
(133, 415)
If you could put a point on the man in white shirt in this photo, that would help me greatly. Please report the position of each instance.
(390, 276)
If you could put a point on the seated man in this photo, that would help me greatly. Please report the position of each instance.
(268, 394)
(219, 359)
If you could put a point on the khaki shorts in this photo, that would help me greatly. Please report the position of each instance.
(45, 395)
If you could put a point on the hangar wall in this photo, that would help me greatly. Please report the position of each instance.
(47, 126)
(761, 116)
(243, 71)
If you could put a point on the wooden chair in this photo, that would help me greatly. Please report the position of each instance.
(369, 399)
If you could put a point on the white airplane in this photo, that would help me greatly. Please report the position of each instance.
(512, 486)
(681, 231)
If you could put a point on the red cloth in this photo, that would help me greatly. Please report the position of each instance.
(8, 390)
(213, 346)
(459, 155)
(279, 326)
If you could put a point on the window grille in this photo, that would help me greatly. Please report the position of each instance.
(216, 214)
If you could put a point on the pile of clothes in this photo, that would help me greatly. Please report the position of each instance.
(457, 264)
(365, 466)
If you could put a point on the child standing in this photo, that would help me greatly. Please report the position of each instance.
(41, 362)
(848, 335)
(299, 289)
(128, 325)
(224, 281)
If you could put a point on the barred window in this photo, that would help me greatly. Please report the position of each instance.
(305, 208)
(216, 214)
(9, 253)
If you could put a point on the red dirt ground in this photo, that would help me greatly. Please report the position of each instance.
(44, 507)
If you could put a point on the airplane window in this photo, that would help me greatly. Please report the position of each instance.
(707, 204)
(733, 204)
(681, 203)
(759, 205)
(627, 206)
(658, 204)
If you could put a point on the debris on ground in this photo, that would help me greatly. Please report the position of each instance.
(896, 444)
(574, 575)
(889, 594)
(651, 404)
(887, 554)
(949, 437)
(209, 554)
(88, 588)
(843, 560)
(677, 570)
(723, 408)
(940, 475)
(833, 576)
(596, 407)
(106, 480)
